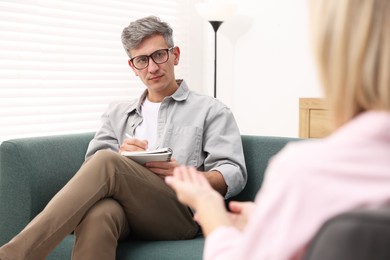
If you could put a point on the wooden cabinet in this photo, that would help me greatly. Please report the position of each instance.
(314, 118)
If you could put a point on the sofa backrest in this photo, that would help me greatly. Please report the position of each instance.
(257, 151)
(26, 157)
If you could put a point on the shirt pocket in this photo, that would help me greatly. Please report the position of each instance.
(186, 143)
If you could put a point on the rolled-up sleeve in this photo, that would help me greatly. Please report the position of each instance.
(223, 146)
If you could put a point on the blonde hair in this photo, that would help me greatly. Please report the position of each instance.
(352, 48)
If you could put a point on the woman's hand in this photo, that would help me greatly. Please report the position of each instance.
(193, 190)
(191, 186)
(240, 213)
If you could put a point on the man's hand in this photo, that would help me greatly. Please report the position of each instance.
(162, 169)
(133, 144)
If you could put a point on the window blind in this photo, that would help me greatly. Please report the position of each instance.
(62, 62)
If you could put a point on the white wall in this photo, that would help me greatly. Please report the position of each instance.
(264, 62)
(264, 65)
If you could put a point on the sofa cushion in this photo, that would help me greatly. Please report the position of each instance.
(161, 250)
(151, 250)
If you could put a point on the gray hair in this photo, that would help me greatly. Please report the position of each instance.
(140, 29)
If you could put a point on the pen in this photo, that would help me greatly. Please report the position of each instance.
(130, 136)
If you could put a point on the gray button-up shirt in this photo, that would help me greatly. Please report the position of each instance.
(201, 131)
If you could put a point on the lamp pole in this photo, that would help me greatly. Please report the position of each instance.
(215, 25)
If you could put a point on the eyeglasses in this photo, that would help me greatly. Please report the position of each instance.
(142, 61)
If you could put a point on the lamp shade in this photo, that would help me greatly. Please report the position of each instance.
(216, 10)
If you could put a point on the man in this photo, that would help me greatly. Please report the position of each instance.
(112, 197)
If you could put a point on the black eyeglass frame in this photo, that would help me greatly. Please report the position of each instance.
(151, 57)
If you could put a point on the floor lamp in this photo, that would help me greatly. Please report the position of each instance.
(215, 25)
(216, 12)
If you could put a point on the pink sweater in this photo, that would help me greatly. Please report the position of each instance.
(306, 184)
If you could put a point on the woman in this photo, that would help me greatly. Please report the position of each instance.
(310, 182)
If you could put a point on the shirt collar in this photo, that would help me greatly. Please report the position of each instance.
(180, 94)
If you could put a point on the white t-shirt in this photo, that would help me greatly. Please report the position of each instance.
(148, 127)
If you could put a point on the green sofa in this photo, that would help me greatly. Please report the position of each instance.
(32, 170)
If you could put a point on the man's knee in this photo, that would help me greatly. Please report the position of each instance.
(105, 156)
(104, 161)
(115, 161)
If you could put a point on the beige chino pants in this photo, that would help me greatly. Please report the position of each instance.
(109, 198)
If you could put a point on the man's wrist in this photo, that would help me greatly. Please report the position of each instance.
(217, 181)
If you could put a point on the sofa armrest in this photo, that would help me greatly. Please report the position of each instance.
(32, 170)
(355, 235)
